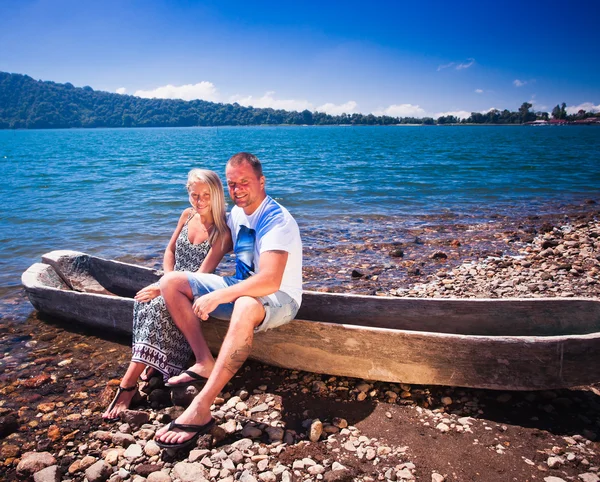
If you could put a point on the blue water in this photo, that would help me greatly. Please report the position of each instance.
(116, 192)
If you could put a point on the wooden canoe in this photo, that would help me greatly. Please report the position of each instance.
(508, 344)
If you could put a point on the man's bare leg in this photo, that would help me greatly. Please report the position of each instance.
(247, 314)
(134, 370)
(175, 289)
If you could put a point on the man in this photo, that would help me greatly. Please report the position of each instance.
(266, 292)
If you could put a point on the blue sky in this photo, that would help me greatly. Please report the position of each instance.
(401, 58)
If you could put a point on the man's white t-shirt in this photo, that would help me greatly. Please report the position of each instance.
(270, 228)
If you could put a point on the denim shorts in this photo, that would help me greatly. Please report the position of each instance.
(280, 308)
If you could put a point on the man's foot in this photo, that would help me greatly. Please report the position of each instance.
(121, 402)
(196, 373)
(188, 426)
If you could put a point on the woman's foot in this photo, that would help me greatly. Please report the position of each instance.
(121, 402)
(196, 373)
(147, 374)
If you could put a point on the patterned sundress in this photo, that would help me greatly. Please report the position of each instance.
(157, 341)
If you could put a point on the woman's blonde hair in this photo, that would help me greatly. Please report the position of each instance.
(217, 200)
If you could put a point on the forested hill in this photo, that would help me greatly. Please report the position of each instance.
(26, 103)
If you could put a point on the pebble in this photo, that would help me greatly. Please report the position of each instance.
(589, 477)
(189, 472)
(159, 477)
(98, 472)
(316, 429)
(32, 462)
(49, 474)
(133, 451)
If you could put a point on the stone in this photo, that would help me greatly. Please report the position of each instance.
(589, 477)
(229, 427)
(316, 469)
(553, 479)
(315, 431)
(112, 456)
(342, 475)
(133, 452)
(33, 462)
(98, 472)
(189, 472)
(242, 444)
(251, 431)
(267, 477)
(135, 418)
(122, 439)
(340, 422)
(49, 474)
(151, 449)
(247, 477)
(405, 474)
(198, 454)
(261, 407)
(446, 401)
(554, 462)
(183, 396)
(159, 477)
(275, 434)
(371, 453)
(146, 469)
(435, 477)
(442, 427)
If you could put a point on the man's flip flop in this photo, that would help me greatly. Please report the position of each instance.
(195, 379)
(197, 430)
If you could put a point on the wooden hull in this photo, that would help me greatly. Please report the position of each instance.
(510, 344)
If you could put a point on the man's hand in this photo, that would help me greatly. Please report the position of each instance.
(147, 294)
(206, 304)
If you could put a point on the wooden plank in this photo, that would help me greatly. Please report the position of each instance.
(493, 317)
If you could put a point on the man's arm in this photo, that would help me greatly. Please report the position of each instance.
(267, 281)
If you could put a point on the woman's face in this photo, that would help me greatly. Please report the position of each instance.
(200, 197)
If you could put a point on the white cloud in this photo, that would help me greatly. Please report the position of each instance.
(459, 66)
(333, 109)
(121, 90)
(479, 91)
(445, 66)
(519, 83)
(586, 106)
(268, 100)
(202, 90)
(461, 114)
(402, 110)
(465, 65)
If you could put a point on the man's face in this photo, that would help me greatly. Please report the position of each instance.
(245, 188)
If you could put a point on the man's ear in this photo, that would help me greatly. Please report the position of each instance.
(262, 181)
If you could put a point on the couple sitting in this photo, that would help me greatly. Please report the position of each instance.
(265, 292)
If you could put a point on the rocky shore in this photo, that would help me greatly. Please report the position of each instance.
(281, 425)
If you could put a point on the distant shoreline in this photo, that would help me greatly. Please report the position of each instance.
(567, 124)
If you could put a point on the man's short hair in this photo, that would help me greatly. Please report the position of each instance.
(246, 157)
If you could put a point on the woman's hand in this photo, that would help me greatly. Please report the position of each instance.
(147, 294)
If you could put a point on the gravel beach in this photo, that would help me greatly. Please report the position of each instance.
(281, 425)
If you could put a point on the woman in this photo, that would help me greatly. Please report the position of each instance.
(198, 244)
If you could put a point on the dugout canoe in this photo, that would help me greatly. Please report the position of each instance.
(507, 344)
